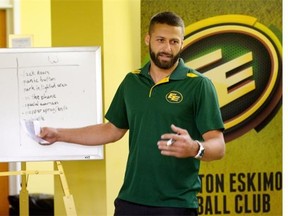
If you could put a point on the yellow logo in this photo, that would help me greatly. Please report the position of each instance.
(243, 58)
(174, 97)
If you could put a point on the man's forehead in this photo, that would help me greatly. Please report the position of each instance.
(168, 32)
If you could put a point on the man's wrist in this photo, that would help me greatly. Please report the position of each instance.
(200, 151)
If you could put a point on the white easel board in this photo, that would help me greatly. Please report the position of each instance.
(59, 87)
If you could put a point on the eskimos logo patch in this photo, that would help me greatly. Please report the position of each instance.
(243, 58)
(174, 97)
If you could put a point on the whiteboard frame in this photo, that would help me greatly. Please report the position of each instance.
(99, 101)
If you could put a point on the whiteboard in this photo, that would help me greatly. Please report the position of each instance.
(59, 87)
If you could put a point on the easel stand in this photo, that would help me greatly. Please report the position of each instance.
(24, 195)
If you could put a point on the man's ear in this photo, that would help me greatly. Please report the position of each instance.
(147, 39)
(182, 44)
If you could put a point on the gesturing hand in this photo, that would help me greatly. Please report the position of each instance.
(183, 145)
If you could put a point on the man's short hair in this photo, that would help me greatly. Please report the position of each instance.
(168, 18)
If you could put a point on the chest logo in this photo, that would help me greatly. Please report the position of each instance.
(174, 97)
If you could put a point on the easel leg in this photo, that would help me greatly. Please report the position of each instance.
(24, 195)
(68, 198)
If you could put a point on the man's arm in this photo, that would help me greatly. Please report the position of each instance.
(214, 145)
(91, 135)
(184, 146)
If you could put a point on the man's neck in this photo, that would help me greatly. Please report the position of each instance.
(158, 74)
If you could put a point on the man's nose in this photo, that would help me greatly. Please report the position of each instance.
(167, 46)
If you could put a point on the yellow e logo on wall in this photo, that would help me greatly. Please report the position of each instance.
(243, 58)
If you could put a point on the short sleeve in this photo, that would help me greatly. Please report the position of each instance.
(208, 114)
(117, 112)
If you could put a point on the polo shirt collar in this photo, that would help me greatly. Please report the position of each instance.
(179, 73)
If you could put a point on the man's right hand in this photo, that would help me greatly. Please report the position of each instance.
(48, 134)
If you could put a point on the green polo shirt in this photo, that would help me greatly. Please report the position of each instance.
(186, 99)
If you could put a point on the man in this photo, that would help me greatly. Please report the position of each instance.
(174, 121)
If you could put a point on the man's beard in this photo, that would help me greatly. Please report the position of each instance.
(163, 64)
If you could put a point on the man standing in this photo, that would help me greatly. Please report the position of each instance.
(174, 121)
